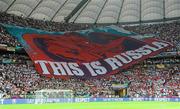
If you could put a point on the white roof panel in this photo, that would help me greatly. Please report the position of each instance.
(93, 11)
(23, 6)
(4, 4)
(130, 11)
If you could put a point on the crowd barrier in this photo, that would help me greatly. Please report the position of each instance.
(74, 100)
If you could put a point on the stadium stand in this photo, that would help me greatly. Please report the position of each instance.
(156, 77)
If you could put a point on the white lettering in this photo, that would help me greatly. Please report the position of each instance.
(114, 63)
(98, 68)
(43, 66)
(57, 68)
(77, 71)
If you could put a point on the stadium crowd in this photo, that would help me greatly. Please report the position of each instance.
(144, 81)
(147, 79)
(165, 31)
(7, 39)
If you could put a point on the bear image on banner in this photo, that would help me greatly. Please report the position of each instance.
(74, 47)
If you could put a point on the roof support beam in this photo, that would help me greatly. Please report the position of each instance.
(100, 12)
(74, 11)
(140, 11)
(81, 11)
(58, 10)
(34, 8)
(10, 5)
(164, 10)
(120, 11)
(140, 15)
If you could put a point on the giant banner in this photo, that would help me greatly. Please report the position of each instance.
(94, 55)
(89, 53)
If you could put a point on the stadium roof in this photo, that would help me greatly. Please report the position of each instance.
(93, 11)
